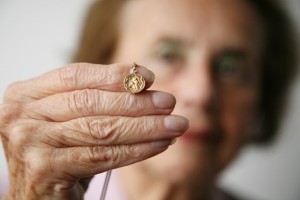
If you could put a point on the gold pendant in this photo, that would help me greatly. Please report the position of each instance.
(134, 83)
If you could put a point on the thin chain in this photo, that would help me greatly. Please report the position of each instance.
(105, 185)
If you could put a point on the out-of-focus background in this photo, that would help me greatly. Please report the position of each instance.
(37, 36)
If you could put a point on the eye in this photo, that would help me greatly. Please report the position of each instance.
(230, 67)
(170, 52)
(227, 66)
(170, 56)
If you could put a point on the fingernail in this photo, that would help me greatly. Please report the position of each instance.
(163, 100)
(161, 144)
(176, 123)
(147, 74)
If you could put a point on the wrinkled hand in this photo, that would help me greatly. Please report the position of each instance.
(63, 127)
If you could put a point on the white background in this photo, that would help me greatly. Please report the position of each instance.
(39, 35)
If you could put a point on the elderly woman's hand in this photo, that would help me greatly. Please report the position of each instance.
(67, 125)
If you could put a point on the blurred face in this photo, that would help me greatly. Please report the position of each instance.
(207, 54)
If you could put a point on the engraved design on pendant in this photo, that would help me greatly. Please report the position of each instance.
(134, 83)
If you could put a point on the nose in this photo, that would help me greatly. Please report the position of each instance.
(195, 87)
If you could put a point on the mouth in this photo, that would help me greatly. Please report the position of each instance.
(204, 136)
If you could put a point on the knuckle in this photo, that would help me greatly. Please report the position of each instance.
(133, 150)
(12, 90)
(20, 135)
(82, 101)
(68, 75)
(101, 154)
(104, 129)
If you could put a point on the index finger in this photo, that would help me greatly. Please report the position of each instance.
(75, 76)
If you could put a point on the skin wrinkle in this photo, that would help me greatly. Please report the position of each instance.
(101, 154)
(127, 99)
(92, 100)
(83, 75)
(146, 126)
(133, 125)
(120, 124)
(102, 128)
(108, 76)
(117, 132)
(91, 76)
(62, 138)
(58, 140)
(113, 130)
(55, 138)
(28, 112)
(76, 126)
(72, 103)
(83, 101)
(68, 76)
(135, 151)
(105, 103)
